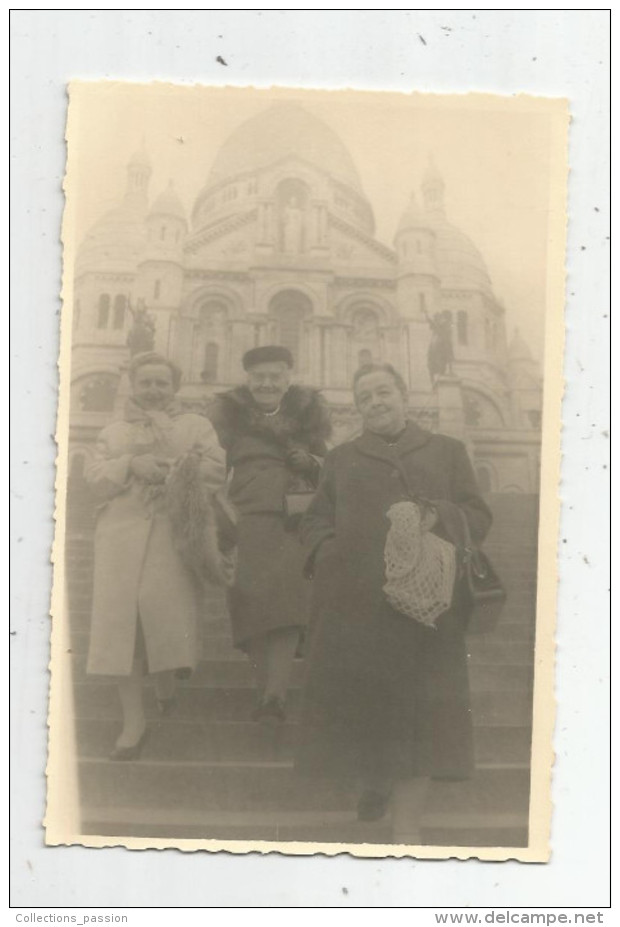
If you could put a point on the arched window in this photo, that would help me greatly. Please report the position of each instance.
(366, 336)
(208, 374)
(212, 314)
(461, 327)
(290, 329)
(156, 289)
(364, 357)
(422, 302)
(103, 311)
(213, 340)
(120, 303)
(418, 246)
(480, 410)
(290, 308)
(162, 232)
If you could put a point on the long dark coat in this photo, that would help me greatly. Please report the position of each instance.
(269, 591)
(385, 695)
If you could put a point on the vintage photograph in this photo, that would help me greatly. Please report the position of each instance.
(307, 493)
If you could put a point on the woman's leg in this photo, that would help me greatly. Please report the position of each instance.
(130, 694)
(165, 686)
(280, 654)
(408, 802)
(256, 649)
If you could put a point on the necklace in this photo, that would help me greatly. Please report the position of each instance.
(271, 414)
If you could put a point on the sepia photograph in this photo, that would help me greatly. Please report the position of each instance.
(308, 465)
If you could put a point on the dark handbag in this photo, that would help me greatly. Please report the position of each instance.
(484, 591)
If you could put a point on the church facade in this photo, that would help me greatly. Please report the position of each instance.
(279, 248)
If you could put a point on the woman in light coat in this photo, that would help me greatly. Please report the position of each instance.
(386, 698)
(145, 600)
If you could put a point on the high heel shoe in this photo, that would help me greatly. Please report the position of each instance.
(271, 710)
(130, 753)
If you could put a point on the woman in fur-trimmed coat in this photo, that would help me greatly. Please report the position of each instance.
(274, 436)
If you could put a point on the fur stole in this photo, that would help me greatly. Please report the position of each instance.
(303, 416)
(200, 522)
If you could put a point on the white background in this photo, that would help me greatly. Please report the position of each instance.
(554, 53)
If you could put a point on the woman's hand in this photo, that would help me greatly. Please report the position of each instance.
(150, 469)
(429, 518)
(301, 461)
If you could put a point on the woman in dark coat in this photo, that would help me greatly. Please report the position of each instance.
(386, 697)
(274, 435)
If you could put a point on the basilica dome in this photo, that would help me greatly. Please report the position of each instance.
(283, 130)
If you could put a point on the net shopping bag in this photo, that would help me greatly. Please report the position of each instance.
(420, 568)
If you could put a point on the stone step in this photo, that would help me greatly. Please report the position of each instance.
(99, 700)
(172, 738)
(465, 829)
(510, 644)
(276, 787)
(239, 674)
(500, 648)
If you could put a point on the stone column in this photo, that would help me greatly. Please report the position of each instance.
(264, 241)
(338, 356)
(450, 404)
(419, 340)
(318, 240)
(241, 340)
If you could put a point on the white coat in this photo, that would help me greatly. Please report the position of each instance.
(138, 572)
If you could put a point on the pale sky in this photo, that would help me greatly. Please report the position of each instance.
(494, 154)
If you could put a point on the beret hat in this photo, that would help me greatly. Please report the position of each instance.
(267, 354)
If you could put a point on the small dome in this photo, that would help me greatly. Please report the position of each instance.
(518, 349)
(284, 129)
(460, 264)
(168, 204)
(413, 217)
(115, 242)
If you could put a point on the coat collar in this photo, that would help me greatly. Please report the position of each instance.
(372, 445)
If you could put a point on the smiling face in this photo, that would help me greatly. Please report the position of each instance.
(380, 403)
(153, 386)
(268, 382)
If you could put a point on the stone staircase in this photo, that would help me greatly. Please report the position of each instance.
(207, 772)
